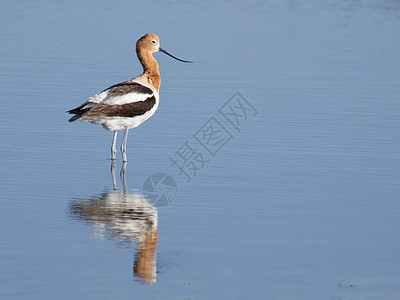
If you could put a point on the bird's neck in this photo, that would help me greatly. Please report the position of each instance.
(150, 68)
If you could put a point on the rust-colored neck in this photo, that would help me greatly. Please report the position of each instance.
(150, 67)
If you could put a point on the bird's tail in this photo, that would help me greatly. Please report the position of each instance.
(74, 118)
(80, 110)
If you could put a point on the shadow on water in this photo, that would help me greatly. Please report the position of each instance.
(126, 217)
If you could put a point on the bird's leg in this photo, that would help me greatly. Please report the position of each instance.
(113, 174)
(123, 145)
(113, 148)
(123, 175)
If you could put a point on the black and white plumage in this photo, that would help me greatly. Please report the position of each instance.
(124, 105)
(127, 104)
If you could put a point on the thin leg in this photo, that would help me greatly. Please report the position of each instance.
(113, 174)
(123, 145)
(113, 147)
(123, 175)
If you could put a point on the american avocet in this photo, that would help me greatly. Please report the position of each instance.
(127, 104)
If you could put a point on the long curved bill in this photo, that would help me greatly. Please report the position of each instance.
(163, 51)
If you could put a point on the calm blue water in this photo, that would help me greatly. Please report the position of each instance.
(293, 196)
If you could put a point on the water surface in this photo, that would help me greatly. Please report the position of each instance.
(298, 200)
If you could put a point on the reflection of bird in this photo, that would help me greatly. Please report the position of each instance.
(128, 104)
(125, 217)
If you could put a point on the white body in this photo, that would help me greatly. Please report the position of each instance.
(119, 123)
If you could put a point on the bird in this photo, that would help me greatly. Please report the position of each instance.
(127, 104)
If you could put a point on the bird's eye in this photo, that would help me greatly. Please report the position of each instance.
(154, 42)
